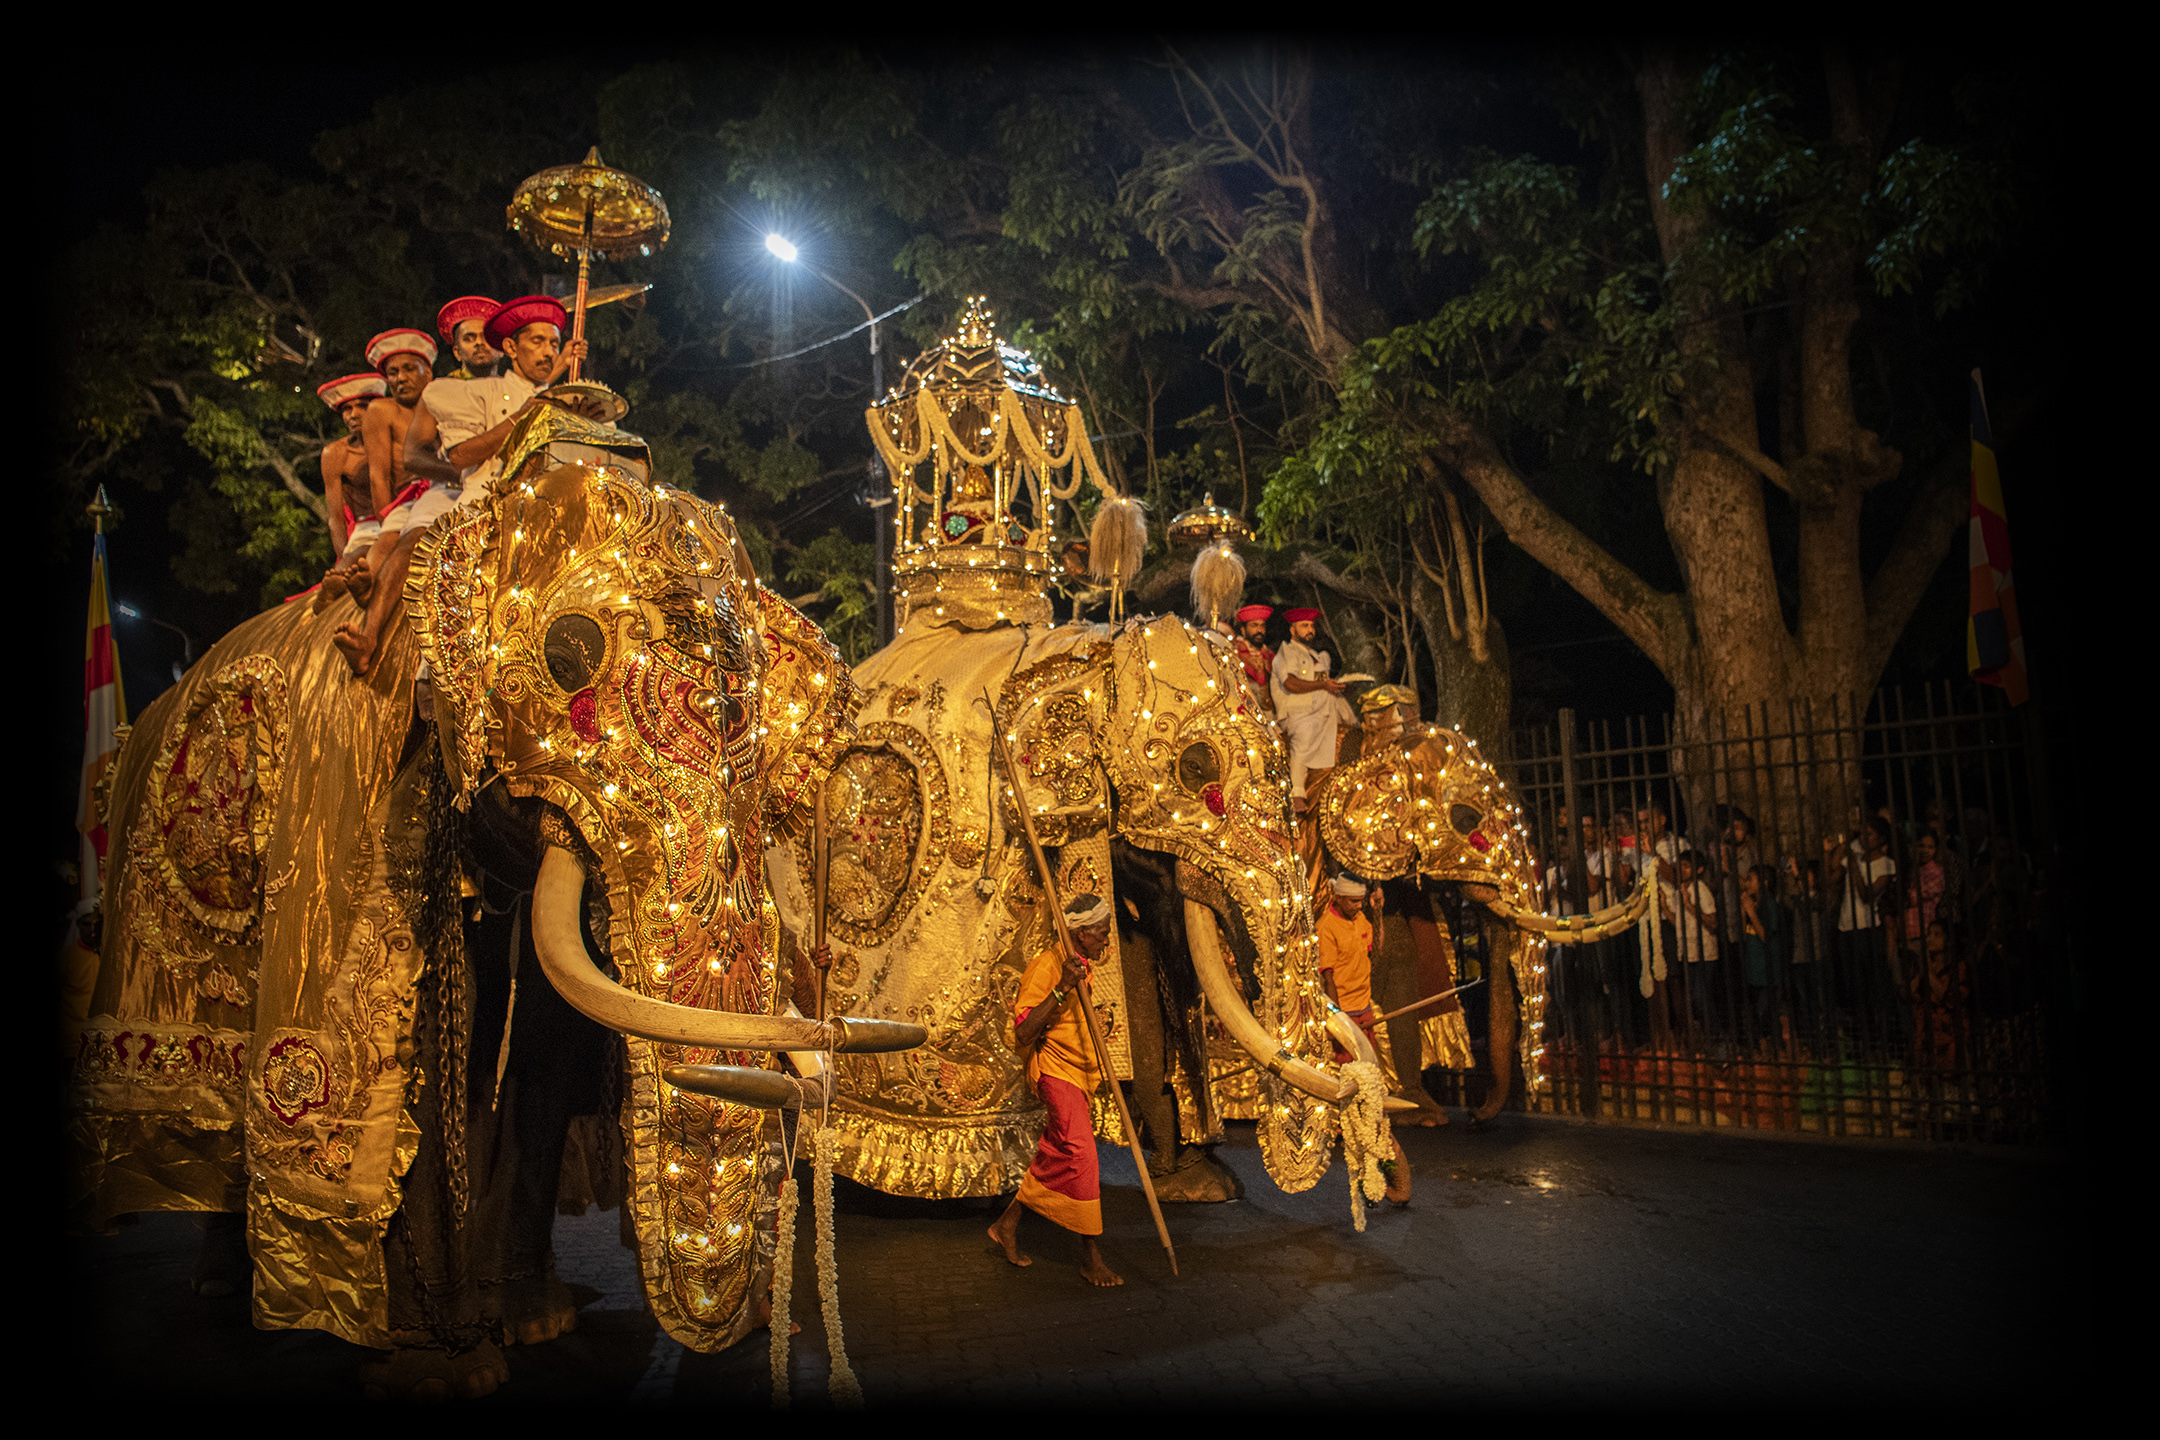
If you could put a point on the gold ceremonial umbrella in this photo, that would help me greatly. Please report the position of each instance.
(584, 210)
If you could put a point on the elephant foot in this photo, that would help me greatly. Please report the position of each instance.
(1199, 1179)
(1398, 1176)
(221, 1265)
(532, 1311)
(429, 1377)
(1427, 1116)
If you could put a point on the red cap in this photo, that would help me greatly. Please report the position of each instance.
(516, 314)
(1250, 613)
(1293, 616)
(336, 393)
(400, 342)
(465, 307)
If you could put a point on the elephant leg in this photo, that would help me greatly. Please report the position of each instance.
(1504, 1023)
(1153, 1110)
(443, 1346)
(1399, 979)
(553, 1072)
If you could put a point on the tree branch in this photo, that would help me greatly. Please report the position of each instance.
(286, 473)
(1655, 621)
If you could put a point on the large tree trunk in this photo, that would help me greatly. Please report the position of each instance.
(1475, 696)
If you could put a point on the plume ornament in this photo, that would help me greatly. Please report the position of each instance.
(1218, 579)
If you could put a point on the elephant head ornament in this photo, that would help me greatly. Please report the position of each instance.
(1429, 803)
(601, 643)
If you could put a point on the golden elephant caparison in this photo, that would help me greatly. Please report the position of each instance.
(1140, 748)
(279, 1021)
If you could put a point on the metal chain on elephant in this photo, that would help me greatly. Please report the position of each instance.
(1366, 1139)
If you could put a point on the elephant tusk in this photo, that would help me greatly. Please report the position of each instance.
(1229, 1006)
(1347, 1034)
(1573, 929)
(557, 897)
(742, 1085)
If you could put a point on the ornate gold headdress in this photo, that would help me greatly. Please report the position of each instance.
(976, 530)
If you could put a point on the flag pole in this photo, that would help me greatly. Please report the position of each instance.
(1086, 993)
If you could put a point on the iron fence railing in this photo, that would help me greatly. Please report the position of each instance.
(1855, 934)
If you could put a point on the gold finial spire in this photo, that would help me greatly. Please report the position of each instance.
(977, 442)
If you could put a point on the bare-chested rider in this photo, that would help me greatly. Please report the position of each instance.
(353, 521)
(471, 419)
(406, 361)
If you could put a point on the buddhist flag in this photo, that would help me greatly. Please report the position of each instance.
(104, 711)
(1994, 647)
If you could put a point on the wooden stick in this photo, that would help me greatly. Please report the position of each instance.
(821, 859)
(1085, 994)
(1421, 1004)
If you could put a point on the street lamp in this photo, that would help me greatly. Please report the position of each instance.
(187, 643)
(878, 488)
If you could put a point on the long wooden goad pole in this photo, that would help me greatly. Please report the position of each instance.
(821, 858)
(1086, 994)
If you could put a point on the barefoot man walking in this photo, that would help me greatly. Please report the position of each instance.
(1065, 1183)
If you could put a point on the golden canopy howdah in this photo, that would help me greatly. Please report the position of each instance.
(982, 449)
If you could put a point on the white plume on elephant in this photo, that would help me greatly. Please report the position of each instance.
(1142, 733)
(282, 1013)
(1424, 803)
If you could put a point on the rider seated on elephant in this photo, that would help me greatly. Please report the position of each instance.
(467, 421)
(354, 523)
(405, 359)
(1305, 704)
(1064, 1183)
(1346, 942)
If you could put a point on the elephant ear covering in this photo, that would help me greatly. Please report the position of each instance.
(810, 704)
(1118, 539)
(1218, 579)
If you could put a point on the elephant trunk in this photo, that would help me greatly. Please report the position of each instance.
(557, 896)
(1221, 990)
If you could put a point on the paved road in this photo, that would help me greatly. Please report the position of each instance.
(1539, 1264)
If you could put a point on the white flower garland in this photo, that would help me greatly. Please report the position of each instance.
(1653, 934)
(783, 1289)
(1366, 1141)
(842, 1385)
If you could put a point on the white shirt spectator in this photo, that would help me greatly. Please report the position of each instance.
(1602, 863)
(1698, 938)
(1557, 886)
(1855, 911)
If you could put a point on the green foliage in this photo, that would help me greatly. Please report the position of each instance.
(841, 570)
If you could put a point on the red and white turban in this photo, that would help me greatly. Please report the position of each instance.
(516, 314)
(1347, 886)
(336, 393)
(458, 311)
(400, 342)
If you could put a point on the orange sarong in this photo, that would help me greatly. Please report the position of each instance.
(1064, 1183)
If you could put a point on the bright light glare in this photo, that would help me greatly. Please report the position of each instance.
(779, 246)
(130, 611)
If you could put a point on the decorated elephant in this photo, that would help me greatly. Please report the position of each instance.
(305, 1010)
(1420, 808)
(1152, 777)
